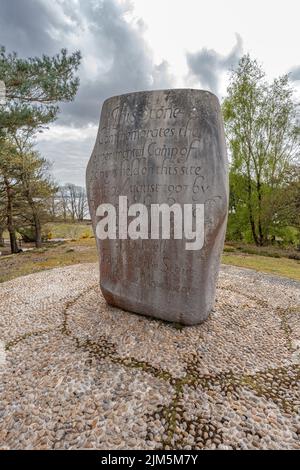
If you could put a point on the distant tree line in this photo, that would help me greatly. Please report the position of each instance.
(29, 198)
(25, 187)
(69, 204)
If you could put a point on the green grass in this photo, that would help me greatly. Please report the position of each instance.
(69, 231)
(65, 230)
(272, 250)
(58, 255)
(83, 250)
(279, 266)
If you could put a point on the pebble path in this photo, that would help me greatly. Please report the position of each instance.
(76, 373)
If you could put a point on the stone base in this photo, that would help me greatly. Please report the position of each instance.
(78, 373)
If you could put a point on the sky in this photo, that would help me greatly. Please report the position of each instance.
(131, 45)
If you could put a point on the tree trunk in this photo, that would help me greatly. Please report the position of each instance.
(252, 224)
(260, 230)
(251, 218)
(36, 222)
(13, 241)
(38, 231)
(1, 238)
(9, 216)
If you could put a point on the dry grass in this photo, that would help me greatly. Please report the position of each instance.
(64, 254)
(68, 230)
(84, 251)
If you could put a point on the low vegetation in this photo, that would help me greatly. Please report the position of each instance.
(52, 255)
(280, 266)
(68, 231)
(80, 247)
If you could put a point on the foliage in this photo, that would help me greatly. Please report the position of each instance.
(25, 188)
(34, 86)
(264, 142)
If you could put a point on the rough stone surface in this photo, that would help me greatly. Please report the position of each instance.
(161, 147)
(77, 373)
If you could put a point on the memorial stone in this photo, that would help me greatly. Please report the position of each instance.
(160, 147)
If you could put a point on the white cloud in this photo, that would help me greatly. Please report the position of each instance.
(207, 66)
(68, 149)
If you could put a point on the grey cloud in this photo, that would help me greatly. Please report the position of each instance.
(125, 62)
(295, 74)
(162, 76)
(69, 158)
(109, 44)
(206, 65)
(25, 27)
(123, 46)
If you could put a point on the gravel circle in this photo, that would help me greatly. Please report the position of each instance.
(76, 373)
